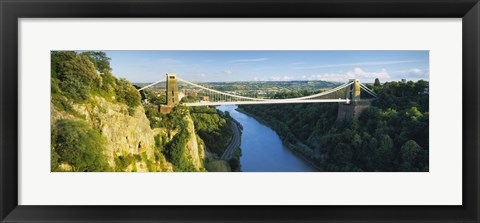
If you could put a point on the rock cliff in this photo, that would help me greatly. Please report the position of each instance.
(128, 134)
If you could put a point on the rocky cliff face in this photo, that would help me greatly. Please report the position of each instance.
(195, 149)
(129, 134)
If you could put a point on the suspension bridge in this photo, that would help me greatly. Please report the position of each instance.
(205, 96)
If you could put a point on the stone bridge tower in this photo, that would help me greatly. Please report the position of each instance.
(352, 109)
(172, 90)
(353, 91)
(172, 94)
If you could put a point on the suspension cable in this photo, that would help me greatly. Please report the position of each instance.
(151, 85)
(368, 90)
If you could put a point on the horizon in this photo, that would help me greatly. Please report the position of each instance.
(336, 82)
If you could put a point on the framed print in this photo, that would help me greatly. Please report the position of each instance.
(239, 111)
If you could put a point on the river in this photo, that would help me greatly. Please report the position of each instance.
(262, 149)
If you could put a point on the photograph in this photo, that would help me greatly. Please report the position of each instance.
(239, 111)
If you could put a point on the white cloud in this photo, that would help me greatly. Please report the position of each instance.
(273, 78)
(412, 71)
(356, 73)
(416, 70)
(248, 60)
(281, 78)
(371, 63)
(227, 72)
(297, 63)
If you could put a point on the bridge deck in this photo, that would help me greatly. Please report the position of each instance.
(278, 101)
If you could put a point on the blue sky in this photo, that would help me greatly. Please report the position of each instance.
(207, 66)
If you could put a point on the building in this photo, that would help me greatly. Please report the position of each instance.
(192, 94)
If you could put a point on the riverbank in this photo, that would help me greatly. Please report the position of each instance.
(295, 149)
(262, 149)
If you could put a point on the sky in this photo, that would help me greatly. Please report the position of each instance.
(227, 66)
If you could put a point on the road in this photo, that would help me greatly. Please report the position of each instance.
(234, 143)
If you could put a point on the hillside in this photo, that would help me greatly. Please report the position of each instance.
(99, 124)
(391, 135)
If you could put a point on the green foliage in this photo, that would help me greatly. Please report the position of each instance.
(342, 154)
(392, 135)
(157, 119)
(214, 129)
(76, 75)
(99, 59)
(217, 166)
(127, 93)
(235, 165)
(175, 152)
(296, 121)
(383, 156)
(410, 150)
(54, 157)
(58, 57)
(153, 98)
(411, 154)
(62, 103)
(77, 144)
(189, 99)
(109, 86)
(122, 162)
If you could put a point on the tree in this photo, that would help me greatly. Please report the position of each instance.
(413, 113)
(57, 57)
(342, 154)
(76, 75)
(176, 152)
(99, 59)
(375, 138)
(109, 83)
(127, 93)
(377, 82)
(80, 146)
(409, 151)
(383, 155)
(214, 129)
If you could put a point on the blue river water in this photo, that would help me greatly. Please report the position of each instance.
(262, 149)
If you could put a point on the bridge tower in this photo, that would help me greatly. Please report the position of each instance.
(353, 91)
(353, 108)
(171, 93)
(172, 90)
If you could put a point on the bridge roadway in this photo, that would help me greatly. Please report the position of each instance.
(267, 101)
(234, 142)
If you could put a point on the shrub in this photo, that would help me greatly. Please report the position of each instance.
(99, 59)
(80, 146)
(76, 75)
(127, 93)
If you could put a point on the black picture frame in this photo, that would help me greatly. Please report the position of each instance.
(11, 11)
